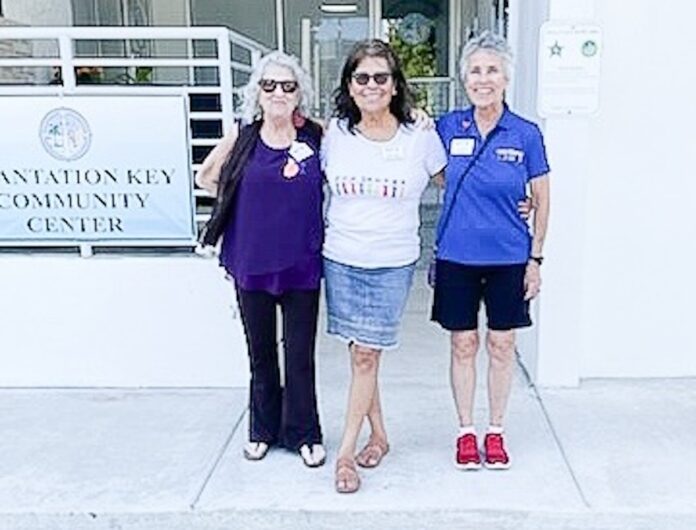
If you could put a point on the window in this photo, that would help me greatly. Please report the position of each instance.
(256, 20)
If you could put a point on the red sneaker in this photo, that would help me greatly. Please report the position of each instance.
(495, 455)
(468, 457)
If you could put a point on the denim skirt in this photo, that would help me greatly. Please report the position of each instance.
(365, 305)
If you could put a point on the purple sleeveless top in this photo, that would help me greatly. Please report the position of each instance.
(273, 240)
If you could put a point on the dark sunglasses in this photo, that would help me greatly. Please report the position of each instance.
(380, 78)
(269, 85)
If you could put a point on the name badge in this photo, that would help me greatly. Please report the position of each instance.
(393, 152)
(300, 151)
(462, 146)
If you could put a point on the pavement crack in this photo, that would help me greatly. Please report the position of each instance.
(218, 458)
(556, 438)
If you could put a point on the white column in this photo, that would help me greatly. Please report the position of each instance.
(560, 338)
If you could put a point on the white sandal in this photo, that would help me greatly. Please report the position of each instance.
(314, 456)
(255, 450)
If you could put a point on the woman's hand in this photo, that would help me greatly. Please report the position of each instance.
(422, 120)
(532, 280)
(525, 208)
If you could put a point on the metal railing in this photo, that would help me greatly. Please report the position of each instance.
(434, 94)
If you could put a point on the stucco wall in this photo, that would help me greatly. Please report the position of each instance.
(618, 283)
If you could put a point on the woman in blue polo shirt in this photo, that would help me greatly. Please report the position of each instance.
(484, 248)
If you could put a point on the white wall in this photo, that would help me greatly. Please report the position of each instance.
(118, 321)
(523, 29)
(618, 283)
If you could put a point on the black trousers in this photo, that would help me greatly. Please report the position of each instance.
(282, 416)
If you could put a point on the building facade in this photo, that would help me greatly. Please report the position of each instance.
(320, 32)
(618, 281)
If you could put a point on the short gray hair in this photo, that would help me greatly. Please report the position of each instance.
(488, 42)
(250, 109)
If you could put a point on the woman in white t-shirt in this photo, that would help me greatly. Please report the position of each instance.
(377, 166)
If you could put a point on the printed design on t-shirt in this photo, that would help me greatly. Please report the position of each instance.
(509, 154)
(362, 186)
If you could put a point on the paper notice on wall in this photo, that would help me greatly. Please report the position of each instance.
(569, 69)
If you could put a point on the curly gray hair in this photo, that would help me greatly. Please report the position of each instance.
(489, 42)
(250, 109)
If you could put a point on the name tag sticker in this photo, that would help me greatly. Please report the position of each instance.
(300, 151)
(462, 146)
(393, 152)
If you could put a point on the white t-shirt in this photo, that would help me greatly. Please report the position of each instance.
(375, 189)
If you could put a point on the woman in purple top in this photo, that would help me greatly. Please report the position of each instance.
(267, 180)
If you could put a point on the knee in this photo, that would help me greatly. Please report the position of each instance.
(364, 359)
(464, 347)
(501, 347)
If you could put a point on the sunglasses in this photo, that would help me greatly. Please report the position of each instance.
(269, 85)
(380, 78)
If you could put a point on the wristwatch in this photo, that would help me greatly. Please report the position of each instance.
(539, 259)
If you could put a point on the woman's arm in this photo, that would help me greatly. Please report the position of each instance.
(208, 175)
(541, 203)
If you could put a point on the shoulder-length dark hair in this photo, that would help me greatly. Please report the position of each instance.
(401, 104)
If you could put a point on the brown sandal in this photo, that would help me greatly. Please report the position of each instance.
(347, 478)
(372, 454)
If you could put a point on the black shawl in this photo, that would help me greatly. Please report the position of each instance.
(231, 174)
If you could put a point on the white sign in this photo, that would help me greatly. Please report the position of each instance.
(91, 168)
(569, 73)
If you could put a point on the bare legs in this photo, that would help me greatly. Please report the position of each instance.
(501, 362)
(463, 373)
(501, 354)
(363, 400)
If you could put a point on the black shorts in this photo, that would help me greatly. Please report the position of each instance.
(459, 290)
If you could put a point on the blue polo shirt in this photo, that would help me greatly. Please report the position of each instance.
(484, 227)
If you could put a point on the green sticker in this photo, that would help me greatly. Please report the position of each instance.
(589, 48)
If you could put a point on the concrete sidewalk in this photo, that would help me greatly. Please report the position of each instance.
(611, 454)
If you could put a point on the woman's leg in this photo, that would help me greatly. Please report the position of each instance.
(300, 422)
(377, 446)
(258, 312)
(465, 344)
(364, 367)
(378, 431)
(507, 310)
(501, 353)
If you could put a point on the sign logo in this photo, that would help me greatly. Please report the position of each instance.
(65, 134)
(589, 48)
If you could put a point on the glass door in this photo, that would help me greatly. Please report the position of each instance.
(320, 33)
(420, 33)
